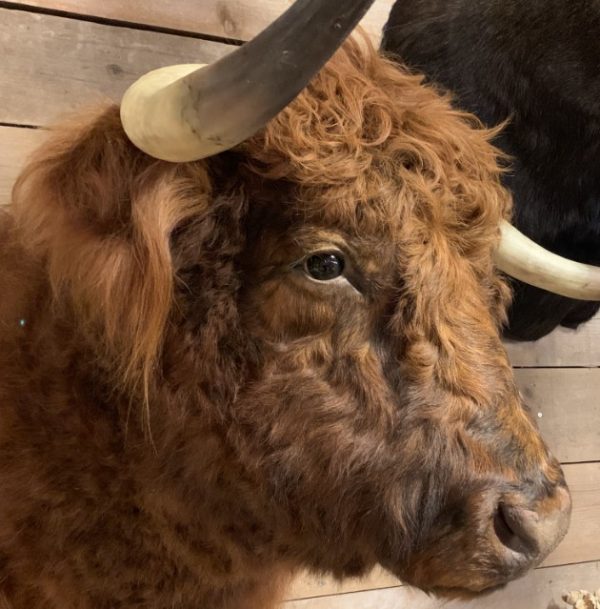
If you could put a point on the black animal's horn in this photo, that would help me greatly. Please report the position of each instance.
(523, 259)
(184, 113)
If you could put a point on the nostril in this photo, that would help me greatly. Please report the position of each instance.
(531, 529)
(512, 527)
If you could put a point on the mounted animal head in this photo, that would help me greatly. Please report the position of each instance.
(309, 322)
(533, 66)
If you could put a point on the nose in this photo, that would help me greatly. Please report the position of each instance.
(533, 528)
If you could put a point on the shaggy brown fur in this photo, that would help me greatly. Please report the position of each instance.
(187, 418)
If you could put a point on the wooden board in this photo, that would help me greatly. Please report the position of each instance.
(15, 145)
(307, 585)
(563, 347)
(51, 65)
(569, 401)
(236, 19)
(582, 542)
(541, 589)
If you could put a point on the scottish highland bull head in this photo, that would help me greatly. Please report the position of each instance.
(283, 355)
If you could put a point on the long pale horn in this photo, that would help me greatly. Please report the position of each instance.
(185, 113)
(519, 257)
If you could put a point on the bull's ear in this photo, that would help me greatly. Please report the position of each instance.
(98, 214)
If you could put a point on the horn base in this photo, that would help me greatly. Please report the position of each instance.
(152, 117)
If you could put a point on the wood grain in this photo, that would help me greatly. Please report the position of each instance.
(237, 19)
(569, 403)
(541, 589)
(52, 66)
(15, 145)
(563, 347)
(581, 543)
(307, 585)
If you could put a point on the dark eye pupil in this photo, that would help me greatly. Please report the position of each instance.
(325, 267)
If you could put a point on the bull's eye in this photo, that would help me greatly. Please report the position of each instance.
(325, 266)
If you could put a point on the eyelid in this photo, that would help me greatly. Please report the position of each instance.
(322, 250)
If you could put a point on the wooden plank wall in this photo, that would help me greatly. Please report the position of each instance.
(61, 55)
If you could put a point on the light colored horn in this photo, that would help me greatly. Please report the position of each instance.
(185, 113)
(521, 258)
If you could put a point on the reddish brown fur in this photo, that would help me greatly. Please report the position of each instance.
(292, 424)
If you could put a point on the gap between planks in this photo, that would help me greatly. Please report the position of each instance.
(540, 589)
(112, 22)
(52, 67)
(237, 20)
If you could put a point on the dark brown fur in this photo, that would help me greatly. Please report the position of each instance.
(187, 419)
